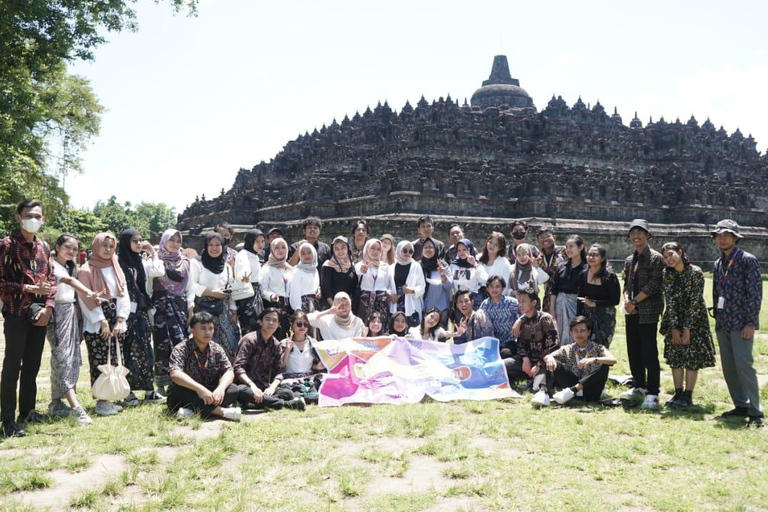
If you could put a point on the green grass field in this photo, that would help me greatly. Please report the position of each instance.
(499, 455)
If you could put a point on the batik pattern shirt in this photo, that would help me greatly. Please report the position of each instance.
(737, 279)
(644, 273)
(259, 359)
(568, 357)
(502, 316)
(538, 337)
(206, 368)
(23, 263)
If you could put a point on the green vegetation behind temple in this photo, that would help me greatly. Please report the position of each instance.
(150, 219)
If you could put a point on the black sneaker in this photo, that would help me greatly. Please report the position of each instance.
(755, 421)
(296, 404)
(736, 412)
(674, 401)
(11, 429)
(31, 417)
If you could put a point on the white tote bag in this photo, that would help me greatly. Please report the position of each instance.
(112, 384)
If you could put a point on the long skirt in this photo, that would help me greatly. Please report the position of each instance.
(97, 347)
(370, 303)
(137, 351)
(64, 335)
(603, 322)
(170, 329)
(248, 310)
(310, 304)
(566, 309)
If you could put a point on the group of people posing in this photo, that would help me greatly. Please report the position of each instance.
(205, 331)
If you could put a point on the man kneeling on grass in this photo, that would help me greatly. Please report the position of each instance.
(202, 376)
(580, 368)
(537, 338)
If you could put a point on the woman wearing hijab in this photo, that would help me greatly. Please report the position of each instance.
(275, 276)
(374, 283)
(212, 282)
(438, 281)
(338, 322)
(337, 273)
(466, 272)
(526, 273)
(406, 284)
(304, 286)
(104, 318)
(174, 301)
(246, 290)
(137, 343)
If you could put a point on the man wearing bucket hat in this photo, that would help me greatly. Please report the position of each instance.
(737, 293)
(643, 303)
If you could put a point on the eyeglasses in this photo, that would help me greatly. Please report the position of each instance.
(302, 324)
(136, 240)
(407, 251)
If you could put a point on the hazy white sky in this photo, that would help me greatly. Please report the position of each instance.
(189, 101)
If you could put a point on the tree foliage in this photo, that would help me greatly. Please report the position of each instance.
(48, 116)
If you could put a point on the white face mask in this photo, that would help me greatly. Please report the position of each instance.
(31, 225)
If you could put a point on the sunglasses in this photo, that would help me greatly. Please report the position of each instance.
(136, 240)
(407, 251)
(302, 324)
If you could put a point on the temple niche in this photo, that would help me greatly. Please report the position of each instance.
(497, 155)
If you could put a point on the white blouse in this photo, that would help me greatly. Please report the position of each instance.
(502, 268)
(245, 263)
(203, 279)
(333, 331)
(65, 294)
(468, 278)
(92, 317)
(274, 281)
(302, 283)
(375, 279)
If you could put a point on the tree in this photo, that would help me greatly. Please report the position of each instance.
(46, 115)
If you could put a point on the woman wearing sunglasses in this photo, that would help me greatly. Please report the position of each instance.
(299, 357)
(406, 284)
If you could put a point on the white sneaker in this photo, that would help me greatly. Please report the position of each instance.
(538, 380)
(231, 413)
(81, 415)
(58, 409)
(580, 393)
(540, 399)
(633, 394)
(183, 413)
(563, 396)
(651, 402)
(104, 408)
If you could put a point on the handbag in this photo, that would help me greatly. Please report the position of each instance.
(34, 312)
(211, 305)
(111, 384)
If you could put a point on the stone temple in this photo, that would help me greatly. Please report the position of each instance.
(499, 158)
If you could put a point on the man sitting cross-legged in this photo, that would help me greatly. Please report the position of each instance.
(580, 368)
(202, 376)
(537, 338)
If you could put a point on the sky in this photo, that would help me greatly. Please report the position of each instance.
(191, 100)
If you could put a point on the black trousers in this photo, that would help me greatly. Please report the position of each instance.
(514, 367)
(179, 396)
(643, 354)
(593, 382)
(277, 401)
(24, 345)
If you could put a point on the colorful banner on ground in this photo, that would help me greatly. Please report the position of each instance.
(399, 370)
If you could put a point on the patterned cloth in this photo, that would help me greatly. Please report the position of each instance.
(379, 304)
(249, 309)
(568, 357)
(260, 360)
(538, 337)
(64, 335)
(223, 332)
(502, 315)
(478, 326)
(602, 322)
(23, 263)
(97, 347)
(741, 286)
(565, 307)
(138, 356)
(170, 329)
(550, 266)
(206, 368)
(643, 273)
(684, 293)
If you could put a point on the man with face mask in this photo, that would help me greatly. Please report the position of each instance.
(27, 291)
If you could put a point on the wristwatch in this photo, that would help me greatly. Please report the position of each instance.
(633, 302)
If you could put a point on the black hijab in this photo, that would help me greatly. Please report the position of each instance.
(250, 238)
(428, 265)
(131, 262)
(215, 265)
